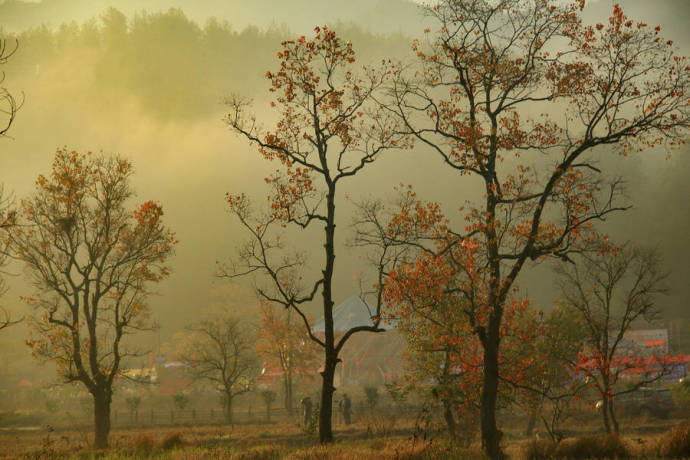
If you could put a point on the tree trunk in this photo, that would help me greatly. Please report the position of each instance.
(287, 385)
(448, 415)
(491, 437)
(447, 404)
(228, 408)
(327, 389)
(605, 414)
(326, 409)
(531, 421)
(612, 414)
(101, 419)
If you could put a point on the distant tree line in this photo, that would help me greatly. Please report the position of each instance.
(172, 66)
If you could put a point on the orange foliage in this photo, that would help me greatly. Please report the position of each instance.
(90, 260)
(284, 345)
(440, 301)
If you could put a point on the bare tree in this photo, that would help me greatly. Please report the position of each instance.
(329, 131)
(5, 317)
(91, 260)
(612, 291)
(8, 104)
(7, 220)
(9, 107)
(221, 350)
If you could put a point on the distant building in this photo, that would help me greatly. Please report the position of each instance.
(649, 343)
(645, 343)
(142, 375)
(367, 357)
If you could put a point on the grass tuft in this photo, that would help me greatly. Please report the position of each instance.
(172, 441)
(143, 444)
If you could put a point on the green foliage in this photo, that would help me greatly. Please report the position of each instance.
(556, 348)
(269, 397)
(681, 396)
(180, 400)
(310, 428)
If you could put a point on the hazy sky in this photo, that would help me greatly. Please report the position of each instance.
(188, 163)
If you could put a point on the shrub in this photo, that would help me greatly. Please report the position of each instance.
(466, 427)
(180, 400)
(675, 443)
(681, 396)
(537, 449)
(372, 395)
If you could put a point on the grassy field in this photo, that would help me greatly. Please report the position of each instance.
(375, 436)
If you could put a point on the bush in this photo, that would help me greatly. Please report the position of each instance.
(588, 446)
(143, 444)
(675, 443)
(537, 449)
(310, 428)
(379, 425)
(171, 441)
(259, 453)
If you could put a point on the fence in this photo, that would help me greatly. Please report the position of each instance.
(150, 417)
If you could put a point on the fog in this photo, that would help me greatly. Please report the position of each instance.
(151, 89)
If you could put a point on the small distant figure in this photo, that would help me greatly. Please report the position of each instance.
(306, 409)
(347, 409)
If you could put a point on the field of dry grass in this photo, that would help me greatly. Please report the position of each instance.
(376, 436)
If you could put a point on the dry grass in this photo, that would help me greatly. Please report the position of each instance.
(587, 446)
(370, 438)
(674, 444)
(274, 441)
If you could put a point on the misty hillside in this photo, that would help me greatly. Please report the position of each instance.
(153, 55)
(302, 15)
